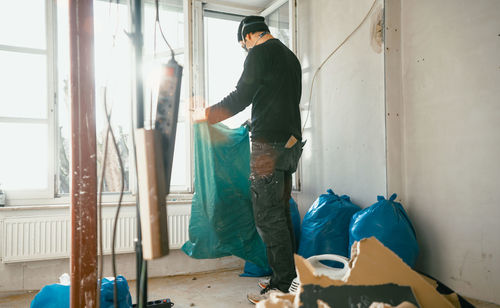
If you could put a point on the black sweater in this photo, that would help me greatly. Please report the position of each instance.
(272, 82)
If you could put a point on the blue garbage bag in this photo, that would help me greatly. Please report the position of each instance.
(124, 298)
(57, 295)
(52, 296)
(222, 221)
(252, 270)
(388, 222)
(325, 228)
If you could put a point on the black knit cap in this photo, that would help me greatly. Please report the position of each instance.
(251, 24)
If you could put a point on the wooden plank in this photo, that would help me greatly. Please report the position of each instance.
(152, 194)
(83, 263)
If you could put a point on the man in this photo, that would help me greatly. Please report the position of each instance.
(271, 82)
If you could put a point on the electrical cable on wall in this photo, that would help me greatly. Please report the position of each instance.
(329, 56)
(117, 214)
(157, 24)
(109, 131)
(138, 224)
(99, 216)
(157, 21)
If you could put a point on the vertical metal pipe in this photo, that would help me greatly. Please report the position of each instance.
(83, 165)
(137, 37)
(138, 45)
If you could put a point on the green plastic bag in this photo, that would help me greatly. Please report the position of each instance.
(222, 222)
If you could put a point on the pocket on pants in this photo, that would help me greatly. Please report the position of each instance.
(267, 194)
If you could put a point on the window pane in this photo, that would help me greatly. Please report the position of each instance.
(172, 23)
(23, 83)
(63, 106)
(22, 23)
(278, 23)
(113, 83)
(114, 80)
(24, 156)
(180, 168)
(224, 60)
(181, 163)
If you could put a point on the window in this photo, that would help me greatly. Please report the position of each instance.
(172, 22)
(224, 57)
(113, 77)
(35, 97)
(26, 99)
(224, 60)
(113, 55)
(279, 25)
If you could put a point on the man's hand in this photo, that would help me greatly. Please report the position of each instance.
(199, 115)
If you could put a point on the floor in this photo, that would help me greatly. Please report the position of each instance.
(219, 289)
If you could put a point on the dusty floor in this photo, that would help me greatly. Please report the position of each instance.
(220, 289)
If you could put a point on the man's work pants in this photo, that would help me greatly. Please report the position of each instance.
(272, 166)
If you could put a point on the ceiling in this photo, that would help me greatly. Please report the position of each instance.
(255, 5)
(262, 4)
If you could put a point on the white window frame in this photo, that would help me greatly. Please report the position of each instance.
(27, 196)
(198, 59)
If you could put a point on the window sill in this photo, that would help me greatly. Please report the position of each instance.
(64, 202)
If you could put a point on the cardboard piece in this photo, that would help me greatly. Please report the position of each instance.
(371, 264)
(277, 300)
(152, 194)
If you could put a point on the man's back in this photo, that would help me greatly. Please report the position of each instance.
(275, 106)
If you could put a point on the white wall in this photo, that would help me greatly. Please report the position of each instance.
(441, 120)
(345, 132)
(451, 139)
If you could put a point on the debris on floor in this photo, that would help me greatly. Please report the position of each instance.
(372, 264)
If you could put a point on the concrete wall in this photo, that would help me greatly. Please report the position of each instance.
(438, 126)
(451, 139)
(345, 131)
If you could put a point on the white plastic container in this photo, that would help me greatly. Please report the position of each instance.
(321, 269)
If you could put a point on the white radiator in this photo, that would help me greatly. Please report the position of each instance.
(31, 238)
